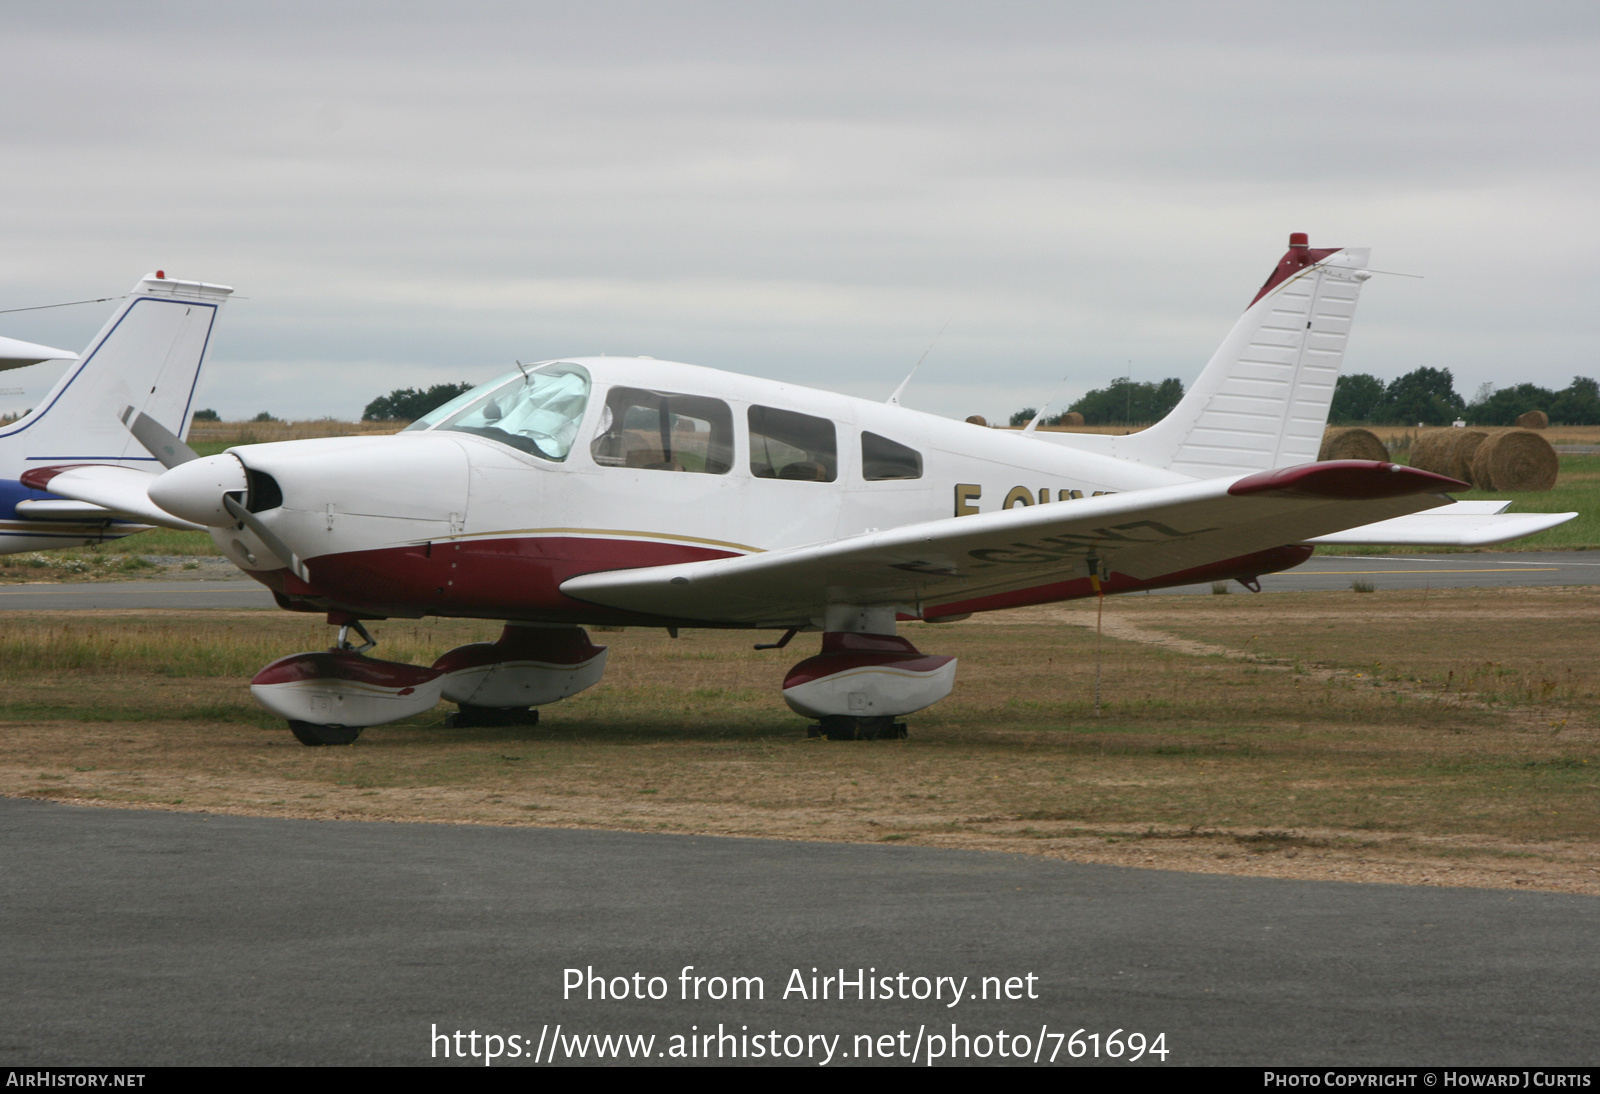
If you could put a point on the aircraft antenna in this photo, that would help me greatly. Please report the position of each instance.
(1039, 417)
(68, 304)
(894, 399)
(524, 369)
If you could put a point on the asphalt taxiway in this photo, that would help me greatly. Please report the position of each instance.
(134, 938)
(1441, 571)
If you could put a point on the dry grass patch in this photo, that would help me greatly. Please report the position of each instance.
(1201, 760)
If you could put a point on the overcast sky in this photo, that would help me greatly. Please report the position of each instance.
(411, 194)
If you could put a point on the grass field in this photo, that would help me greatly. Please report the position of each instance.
(1453, 739)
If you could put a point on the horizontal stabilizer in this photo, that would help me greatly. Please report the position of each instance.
(15, 353)
(122, 490)
(1464, 524)
(1143, 534)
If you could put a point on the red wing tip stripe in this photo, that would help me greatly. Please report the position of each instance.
(1347, 480)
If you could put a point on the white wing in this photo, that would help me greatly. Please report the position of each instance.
(953, 565)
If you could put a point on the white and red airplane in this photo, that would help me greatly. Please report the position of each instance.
(147, 356)
(630, 491)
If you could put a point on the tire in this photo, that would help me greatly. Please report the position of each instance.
(843, 727)
(309, 733)
(469, 716)
(839, 727)
(880, 729)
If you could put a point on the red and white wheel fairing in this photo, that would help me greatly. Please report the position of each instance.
(867, 676)
(528, 667)
(343, 688)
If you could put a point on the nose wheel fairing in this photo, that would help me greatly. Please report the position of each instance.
(344, 688)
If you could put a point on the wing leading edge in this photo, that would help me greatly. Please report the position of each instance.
(1142, 534)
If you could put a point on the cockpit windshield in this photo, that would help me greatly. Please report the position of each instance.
(537, 411)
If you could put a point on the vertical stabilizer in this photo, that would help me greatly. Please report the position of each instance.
(147, 356)
(1262, 401)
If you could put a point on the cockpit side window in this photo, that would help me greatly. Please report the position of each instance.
(787, 445)
(664, 431)
(536, 410)
(883, 459)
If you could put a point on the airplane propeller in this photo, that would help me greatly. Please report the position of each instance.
(157, 439)
(208, 490)
(266, 535)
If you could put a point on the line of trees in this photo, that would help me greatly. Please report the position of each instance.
(1428, 395)
(1122, 402)
(407, 404)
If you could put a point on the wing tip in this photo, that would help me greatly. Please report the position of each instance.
(1346, 480)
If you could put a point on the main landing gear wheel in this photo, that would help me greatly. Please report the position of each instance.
(308, 733)
(469, 716)
(840, 727)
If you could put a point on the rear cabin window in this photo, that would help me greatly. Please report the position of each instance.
(664, 431)
(883, 459)
(786, 445)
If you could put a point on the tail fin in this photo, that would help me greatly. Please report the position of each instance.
(147, 356)
(1263, 399)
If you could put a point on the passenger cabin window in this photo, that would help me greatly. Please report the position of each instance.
(883, 459)
(536, 410)
(786, 445)
(664, 431)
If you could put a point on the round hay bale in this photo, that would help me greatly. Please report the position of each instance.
(1071, 417)
(979, 419)
(1462, 452)
(1533, 419)
(1351, 443)
(1431, 450)
(1517, 460)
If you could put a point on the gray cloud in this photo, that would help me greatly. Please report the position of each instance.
(410, 194)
